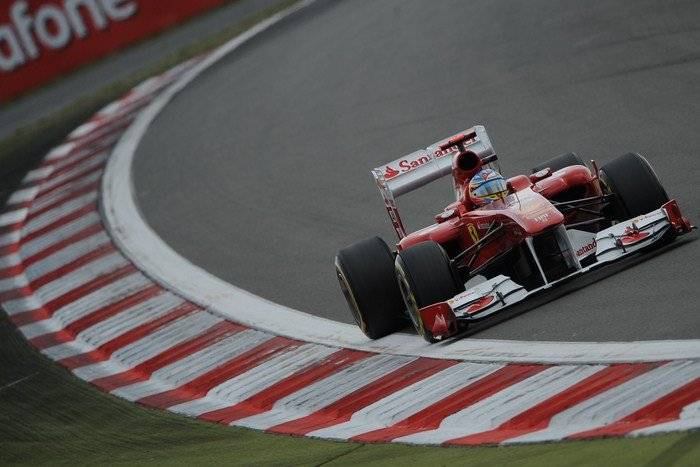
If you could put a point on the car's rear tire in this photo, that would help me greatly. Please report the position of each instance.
(559, 162)
(635, 185)
(425, 277)
(365, 271)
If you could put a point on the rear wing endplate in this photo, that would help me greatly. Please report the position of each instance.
(421, 167)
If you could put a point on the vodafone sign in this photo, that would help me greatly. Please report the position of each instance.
(42, 39)
(53, 27)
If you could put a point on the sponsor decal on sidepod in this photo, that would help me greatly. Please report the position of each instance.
(586, 248)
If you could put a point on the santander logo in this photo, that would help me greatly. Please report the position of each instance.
(52, 26)
(586, 248)
(407, 166)
(390, 172)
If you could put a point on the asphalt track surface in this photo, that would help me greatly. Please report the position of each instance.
(259, 170)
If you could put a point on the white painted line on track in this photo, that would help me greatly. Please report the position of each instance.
(66, 255)
(689, 419)
(36, 245)
(92, 163)
(103, 331)
(80, 276)
(149, 346)
(617, 402)
(17, 381)
(255, 380)
(13, 217)
(64, 191)
(194, 365)
(60, 151)
(81, 307)
(7, 261)
(504, 405)
(9, 238)
(326, 391)
(37, 174)
(54, 214)
(22, 304)
(21, 196)
(409, 400)
(13, 283)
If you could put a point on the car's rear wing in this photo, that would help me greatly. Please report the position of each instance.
(424, 166)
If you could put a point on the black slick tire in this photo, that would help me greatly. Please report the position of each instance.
(365, 271)
(635, 185)
(425, 277)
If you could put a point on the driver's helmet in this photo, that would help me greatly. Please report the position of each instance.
(486, 187)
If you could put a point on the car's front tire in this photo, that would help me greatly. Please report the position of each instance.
(635, 185)
(365, 271)
(425, 277)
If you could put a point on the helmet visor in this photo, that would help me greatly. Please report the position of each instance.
(493, 188)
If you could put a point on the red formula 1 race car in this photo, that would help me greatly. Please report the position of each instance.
(501, 241)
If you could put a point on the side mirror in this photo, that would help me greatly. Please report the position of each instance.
(541, 175)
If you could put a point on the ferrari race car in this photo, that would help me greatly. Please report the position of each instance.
(484, 255)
